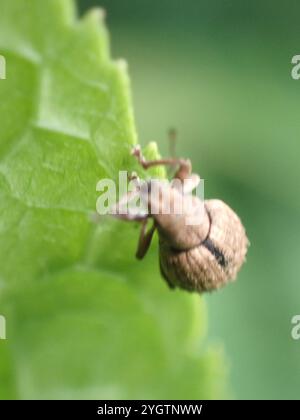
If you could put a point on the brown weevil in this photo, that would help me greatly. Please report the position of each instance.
(202, 256)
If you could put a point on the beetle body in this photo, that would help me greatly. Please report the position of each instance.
(214, 260)
(200, 256)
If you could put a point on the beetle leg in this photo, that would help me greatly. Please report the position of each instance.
(189, 184)
(172, 134)
(120, 210)
(133, 176)
(144, 240)
(130, 217)
(163, 274)
(183, 171)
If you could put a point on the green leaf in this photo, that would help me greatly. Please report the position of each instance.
(84, 319)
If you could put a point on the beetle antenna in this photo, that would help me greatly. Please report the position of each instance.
(172, 136)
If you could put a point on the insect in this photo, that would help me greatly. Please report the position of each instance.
(201, 256)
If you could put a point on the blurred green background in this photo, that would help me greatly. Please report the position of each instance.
(219, 71)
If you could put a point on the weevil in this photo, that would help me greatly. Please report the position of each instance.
(201, 256)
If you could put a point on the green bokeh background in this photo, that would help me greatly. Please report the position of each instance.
(219, 71)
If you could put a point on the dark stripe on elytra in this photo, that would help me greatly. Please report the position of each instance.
(208, 244)
(219, 256)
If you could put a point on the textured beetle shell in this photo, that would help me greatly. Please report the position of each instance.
(215, 261)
